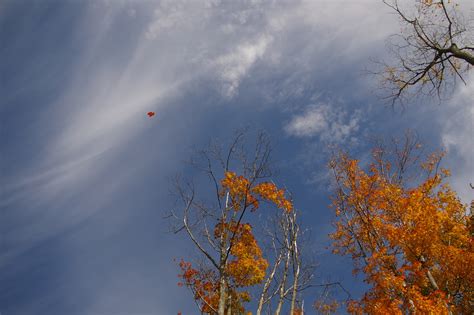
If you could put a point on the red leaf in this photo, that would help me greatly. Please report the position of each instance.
(150, 114)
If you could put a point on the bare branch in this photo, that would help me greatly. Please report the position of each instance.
(427, 54)
(190, 233)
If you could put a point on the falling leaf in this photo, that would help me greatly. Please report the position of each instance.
(150, 114)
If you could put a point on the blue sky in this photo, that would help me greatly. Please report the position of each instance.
(85, 174)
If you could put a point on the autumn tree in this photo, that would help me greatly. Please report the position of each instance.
(232, 258)
(433, 50)
(406, 230)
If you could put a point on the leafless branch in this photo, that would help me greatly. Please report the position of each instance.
(429, 51)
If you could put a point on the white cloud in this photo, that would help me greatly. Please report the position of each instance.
(457, 136)
(224, 40)
(168, 16)
(232, 67)
(312, 122)
(332, 124)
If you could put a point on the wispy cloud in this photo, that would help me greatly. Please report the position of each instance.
(233, 66)
(457, 122)
(332, 124)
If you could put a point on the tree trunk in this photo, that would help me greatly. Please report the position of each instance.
(222, 264)
(229, 305)
(296, 269)
(266, 286)
(222, 296)
(282, 285)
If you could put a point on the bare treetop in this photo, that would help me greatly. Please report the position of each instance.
(434, 50)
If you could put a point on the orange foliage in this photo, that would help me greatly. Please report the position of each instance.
(248, 267)
(203, 284)
(245, 266)
(298, 312)
(239, 191)
(269, 192)
(243, 193)
(205, 287)
(326, 308)
(412, 242)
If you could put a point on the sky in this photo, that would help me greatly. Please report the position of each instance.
(85, 174)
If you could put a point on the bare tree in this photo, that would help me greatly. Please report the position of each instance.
(290, 273)
(434, 49)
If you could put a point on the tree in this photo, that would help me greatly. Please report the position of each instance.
(233, 260)
(289, 274)
(406, 231)
(433, 50)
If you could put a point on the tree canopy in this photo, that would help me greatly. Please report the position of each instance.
(406, 231)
